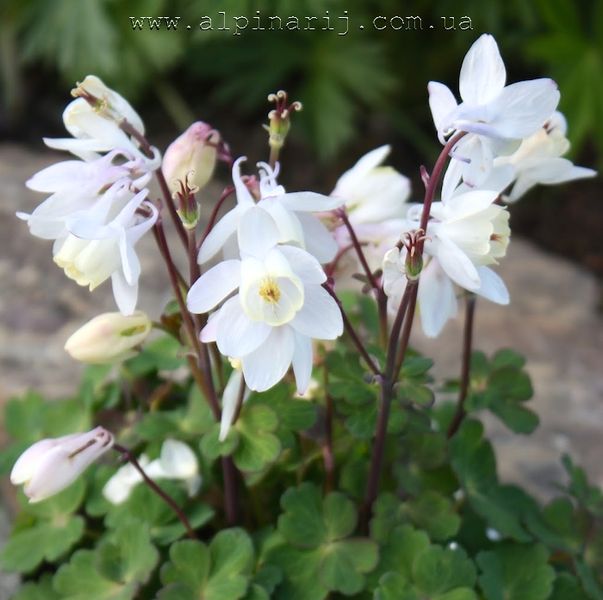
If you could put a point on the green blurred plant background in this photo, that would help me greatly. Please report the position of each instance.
(359, 90)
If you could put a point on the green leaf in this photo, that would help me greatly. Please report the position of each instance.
(434, 513)
(258, 447)
(516, 572)
(115, 571)
(302, 523)
(48, 531)
(218, 572)
(567, 587)
(294, 414)
(439, 570)
(41, 590)
(212, 447)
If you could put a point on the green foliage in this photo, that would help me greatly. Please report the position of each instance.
(121, 563)
(220, 571)
(45, 531)
(502, 386)
(516, 571)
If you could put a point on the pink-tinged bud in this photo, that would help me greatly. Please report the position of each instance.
(110, 337)
(191, 157)
(50, 465)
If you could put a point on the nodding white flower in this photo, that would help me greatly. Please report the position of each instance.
(496, 117)
(289, 211)
(376, 203)
(464, 236)
(101, 245)
(50, 465)
(538, 160)
(76, 186)
(94, 118)
(110, 337)
(373, 193)
(280, 305)
(176, 461)
(191, 157)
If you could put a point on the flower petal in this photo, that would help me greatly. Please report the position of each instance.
(229, 402)
(269, 363)
(309, 202)
(213, 286)
(442, 103)
(302, 362)
(318, 240)
(125, 294)
(492, 287)
(303, 264)
(483, 73)
(236, 334)
(257, 232)
(219, 234)
(457, 265)
(319, 317)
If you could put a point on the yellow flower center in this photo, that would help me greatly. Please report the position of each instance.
(269, 291)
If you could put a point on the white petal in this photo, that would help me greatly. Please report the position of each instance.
(318, 240)
(442, 103)
(213, 286)
(219, 234)
(236, 334)
(289, 228)
(452, 178)
(257, 232)
(319, 317)
(303, 264)
(437, 302)
(309, 202)
(522, 108)
(492, 287)
(244, 197)
(27, 463)
(125, 294)
(457, 265)
(178, 460)
(269, 363)
(229, 402)
(302, 362)
(483, 72)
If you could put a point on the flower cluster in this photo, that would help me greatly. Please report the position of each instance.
(98, 208)
(507, 137)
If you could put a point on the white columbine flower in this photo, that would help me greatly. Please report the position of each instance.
(376, 202)
(464, 236)
(288, 210)
(280, 305)
(496, 117)
(539, 160)
(176, 461)
(101, 244)
(50, 465)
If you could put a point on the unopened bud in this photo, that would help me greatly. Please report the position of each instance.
(191, 157)
(50, 465)
(110, 337)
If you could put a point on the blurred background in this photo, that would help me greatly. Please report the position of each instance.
(359, 90)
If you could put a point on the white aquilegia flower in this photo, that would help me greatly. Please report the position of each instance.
(101, 245)
(464, 237)
(279, 305)
(50, 465)
(496, 117)
(110, 337)
(176, 461)
(289, 211)
(97, 210)
(376, 202)
(538, 161)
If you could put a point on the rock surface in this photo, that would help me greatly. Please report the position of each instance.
(553, 320)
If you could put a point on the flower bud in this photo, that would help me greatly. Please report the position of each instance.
(109, 337)
(191, 158)
(279, 119)
(414, 263)
(50, 465)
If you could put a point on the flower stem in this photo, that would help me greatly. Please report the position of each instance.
(352, 333)
(466, 365)
(327, 448)
(127, 455)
